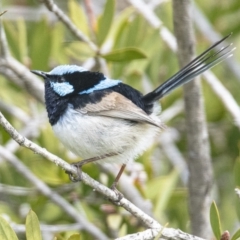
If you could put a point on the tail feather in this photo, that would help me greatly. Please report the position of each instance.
(200, 64)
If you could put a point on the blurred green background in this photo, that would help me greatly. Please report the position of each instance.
(136, 54)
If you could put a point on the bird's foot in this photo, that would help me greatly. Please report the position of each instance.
(76, 177)
(117, 192)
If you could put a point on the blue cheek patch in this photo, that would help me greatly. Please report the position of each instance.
(63, 88)
(104, 84)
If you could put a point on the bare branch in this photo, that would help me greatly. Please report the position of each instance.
(208, 31)
(155, 22)
(20, 228)
(14, 111)
(129, 190)
(170, 149)
(150, 222)
(3, 13)
(90, 14)
(31, 130)
(69, 24)
(29, 81)
(165, 233)
(199, 160)
(17, 191)
(204, 27)
(225, 96)
(45, 190)
(4, 51)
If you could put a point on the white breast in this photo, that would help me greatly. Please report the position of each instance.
(92, 136)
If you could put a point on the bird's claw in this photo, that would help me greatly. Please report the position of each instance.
(118, 193)
(76, 177)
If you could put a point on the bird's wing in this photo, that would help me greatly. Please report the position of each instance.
(116, 105)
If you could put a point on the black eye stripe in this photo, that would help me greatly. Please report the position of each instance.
(61, 79)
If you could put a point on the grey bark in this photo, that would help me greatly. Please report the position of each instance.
(199, 161)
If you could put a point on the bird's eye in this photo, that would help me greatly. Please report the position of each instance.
(61, 79)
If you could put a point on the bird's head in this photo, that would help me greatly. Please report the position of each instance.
(71, 79)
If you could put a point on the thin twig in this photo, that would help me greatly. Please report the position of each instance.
(31, 83)
(207, 30)
(225, 96)
(167, 141)
(20, 228)
(69, 24)
(56, 198)
(18, 113)
(90, 14)
(155, 22)
(147, 220)
(150, 222)
(4, 50)
(3, 12)
(165, 233)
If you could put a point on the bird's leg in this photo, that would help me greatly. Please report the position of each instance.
(80, 164)
(115, 182)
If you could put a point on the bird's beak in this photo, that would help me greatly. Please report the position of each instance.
(40, 73)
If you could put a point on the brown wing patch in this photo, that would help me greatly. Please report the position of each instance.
(116, 105)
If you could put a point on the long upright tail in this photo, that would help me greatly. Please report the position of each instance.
(200, 64)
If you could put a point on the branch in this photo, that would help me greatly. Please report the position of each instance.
(225, 96)
(208, 31)
(18, 113)
(68, 23)
(206, 28)
(148, 221)
(199, 160)
(20, 228)
(155, 22)
(4, 50)
(167, 141)
(161, 233)
(45, 190)
(31, 130)
(31, 83)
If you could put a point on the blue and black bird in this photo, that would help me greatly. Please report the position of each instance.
(105, 120)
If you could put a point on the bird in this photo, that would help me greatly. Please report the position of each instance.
(104, 120)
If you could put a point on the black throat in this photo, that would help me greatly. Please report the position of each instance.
(57, 105)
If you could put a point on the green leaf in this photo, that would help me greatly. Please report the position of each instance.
(167, 184)
(236, 235)
(124, 54)
(12, 35)
(237, 171)
(6, 231)
(33, 227)
(75, 237)
(40, 45)
(215, 220)
(58, 52)
(22, 39)
(78, 16)
(105, 21)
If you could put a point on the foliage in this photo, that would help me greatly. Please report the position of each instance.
(32, 229)
(132, 50)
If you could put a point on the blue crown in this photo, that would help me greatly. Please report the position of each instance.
(66, 69)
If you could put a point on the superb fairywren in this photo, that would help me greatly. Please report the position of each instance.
(105, 120)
